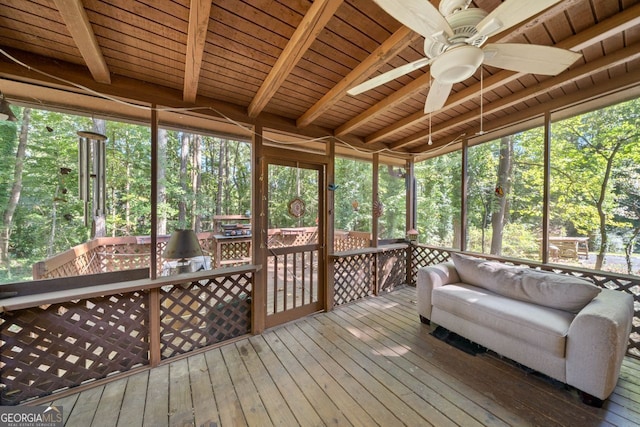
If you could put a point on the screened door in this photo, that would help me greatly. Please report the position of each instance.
(295, 261)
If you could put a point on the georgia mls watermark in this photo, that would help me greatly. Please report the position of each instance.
(31, 416)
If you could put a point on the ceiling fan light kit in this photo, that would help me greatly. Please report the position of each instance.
(457, 64)
(454, 35)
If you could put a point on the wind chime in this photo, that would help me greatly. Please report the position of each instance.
(91, 166)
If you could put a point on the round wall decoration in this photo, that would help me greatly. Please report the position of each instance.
(297, 207)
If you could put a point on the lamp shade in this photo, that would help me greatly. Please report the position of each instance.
(182, 244)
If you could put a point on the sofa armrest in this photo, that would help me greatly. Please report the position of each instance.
(597, 342)
(428, 279)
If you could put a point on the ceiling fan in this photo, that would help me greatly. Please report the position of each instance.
(453, 36)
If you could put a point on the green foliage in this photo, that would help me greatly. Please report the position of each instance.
(594, 189)
(438, 199)
(393, 195)
(8, 146)
(287, 183)
(49, 217)
(355, 181)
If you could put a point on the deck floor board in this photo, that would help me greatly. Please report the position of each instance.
(366, 363)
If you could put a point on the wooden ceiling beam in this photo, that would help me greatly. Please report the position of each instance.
(595, 34)
(314, 21)
(199, 14)
(136, 92)
(77, 22)
(397, 42)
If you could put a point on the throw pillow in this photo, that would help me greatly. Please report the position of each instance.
(492, 275)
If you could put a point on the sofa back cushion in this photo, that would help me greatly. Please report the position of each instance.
(549, 289)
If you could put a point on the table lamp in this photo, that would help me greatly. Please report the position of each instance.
(182, 244)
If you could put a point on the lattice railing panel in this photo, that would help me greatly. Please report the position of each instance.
(198, 314)
(426, 255)
(54, 347)
(119, 257)
(350, 242)
(353, 278)
(235, 251)
(422, 256)
(86, 263)
(392, 269)
(110, 254)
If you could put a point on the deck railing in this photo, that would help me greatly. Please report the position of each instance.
(57, 340)
(54, 340)
(107, 254)
(362, 272)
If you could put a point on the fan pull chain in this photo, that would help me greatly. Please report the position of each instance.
(430, 142)
(481, 99)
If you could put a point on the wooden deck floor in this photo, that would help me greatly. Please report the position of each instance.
(368, 363)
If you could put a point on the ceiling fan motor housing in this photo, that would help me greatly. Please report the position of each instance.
(463, 23)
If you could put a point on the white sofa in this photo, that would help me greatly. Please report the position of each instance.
(559, 325)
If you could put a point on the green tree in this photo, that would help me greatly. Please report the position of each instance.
(592, 146)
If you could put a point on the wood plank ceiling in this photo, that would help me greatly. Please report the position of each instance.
(287, 64)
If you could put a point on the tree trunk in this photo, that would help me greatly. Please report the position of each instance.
(221, 185)
(227, 195)
(16, 189)
(602, 215)
(184, 158)
(195, 181)
(628, 249)
(127, 203)
(162, 187)
(500, 215)
(54, 224)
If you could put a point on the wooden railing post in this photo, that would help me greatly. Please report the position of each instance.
(154, 327)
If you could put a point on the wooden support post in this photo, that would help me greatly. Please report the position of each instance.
(155, 356)
(153, 273)
(546, 194)
(463, 198)
(259, 232)
(330, 223)
(374, 221)
(374, 218)
(411, 208)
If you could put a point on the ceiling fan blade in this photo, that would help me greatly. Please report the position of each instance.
(510, 13)
(388, 76)
(529, 58)
(438, 94)
(419, 15)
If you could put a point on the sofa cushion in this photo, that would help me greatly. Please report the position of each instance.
(553, 290)
(545, 288)
(486, 274)
(541, 326)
